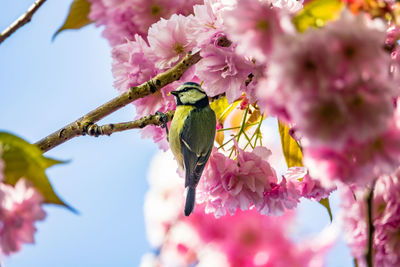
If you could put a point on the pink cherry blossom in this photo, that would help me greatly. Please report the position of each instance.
(251, 239)
(228, 185)
(20, 207)
(331, 84)
(356, 112)
(125, 18)
(386, 220)
(291, 6)
(254, 25)
(207, 21)
(392, 35)
(116, 15)
(307, 187)
(283, 195)
(223, 71)
(169, 40)
(358, 163)
(131, 64)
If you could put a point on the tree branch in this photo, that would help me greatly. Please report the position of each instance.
(80, 126)
(22, 20)
(108, 129)
(371, 228)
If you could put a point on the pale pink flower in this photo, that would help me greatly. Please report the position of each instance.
(281, 196)
(116, 15)
(386, 220)
(123, 19)
(20, 207)
(307, 187)
(169, 40)
(207, 21)
(254, 25)
(357, 163)
(149, 12)
(228, 185)
(291, 6)
(223, 71)
(131, 64)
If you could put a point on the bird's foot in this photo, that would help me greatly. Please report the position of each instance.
(163, 120)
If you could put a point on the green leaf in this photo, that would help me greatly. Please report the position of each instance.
(316, 13)
(291, 149)
(24, 160)
(325, 202)
(77, 16)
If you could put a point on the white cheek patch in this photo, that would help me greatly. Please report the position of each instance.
(191, 96)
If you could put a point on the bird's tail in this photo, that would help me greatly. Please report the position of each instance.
(190, 199)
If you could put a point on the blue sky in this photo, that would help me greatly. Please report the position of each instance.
(45, 85)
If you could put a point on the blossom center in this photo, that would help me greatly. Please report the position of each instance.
(262, 25)
(155, 10)
(329, 112)
(178, 48)
(310, 65)
(248, 237)
(349, 51)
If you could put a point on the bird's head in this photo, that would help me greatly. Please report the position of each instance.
(190, 93)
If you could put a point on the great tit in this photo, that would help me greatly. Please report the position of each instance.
(191, 136)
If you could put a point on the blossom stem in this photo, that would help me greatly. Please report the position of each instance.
(237, 127)
(371, 228)
(21, 21)
(230, 140)
(258, 132)
(249, 143)
(80, 126)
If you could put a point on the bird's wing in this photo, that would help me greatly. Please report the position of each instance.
(197, 139)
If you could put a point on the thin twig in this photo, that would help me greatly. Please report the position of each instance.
(108, 129)
(22, 20)
(371, 228)
(80, 126)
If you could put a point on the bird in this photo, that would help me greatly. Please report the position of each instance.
(191, 136)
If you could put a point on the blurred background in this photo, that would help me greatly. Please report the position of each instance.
(45, 85)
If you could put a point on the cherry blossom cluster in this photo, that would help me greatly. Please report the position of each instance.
(20, 208)
(337, 86)
(338, 91)
(250, 182)
(246, 238)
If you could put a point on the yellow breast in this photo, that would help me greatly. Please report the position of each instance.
(180, 115)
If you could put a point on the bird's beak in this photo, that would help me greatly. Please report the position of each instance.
(175, 93)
